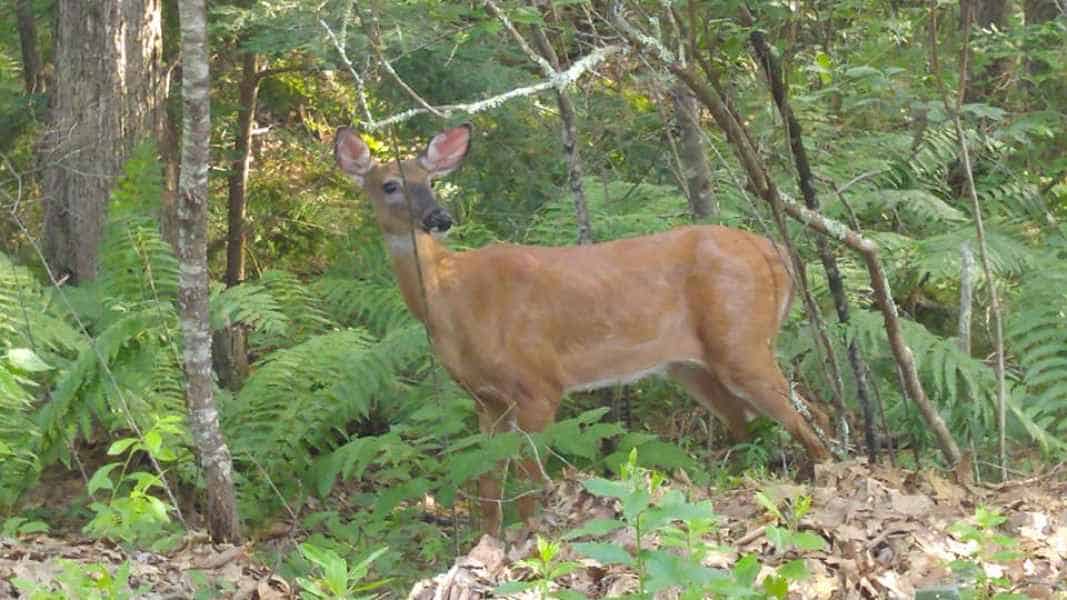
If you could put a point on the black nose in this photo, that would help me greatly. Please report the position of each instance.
(437, 220)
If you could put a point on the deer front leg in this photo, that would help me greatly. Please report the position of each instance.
(523, 417)
(491, 420)
(534, 417)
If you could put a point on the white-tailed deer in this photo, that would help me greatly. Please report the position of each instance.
(519, 326)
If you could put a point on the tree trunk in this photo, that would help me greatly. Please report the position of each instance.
(702, 203)
(31, 58)
(773, 71)
(107, 97)
(1035, 13)
(570, 142)
(984, 14)
(223, 524)
(238, 181)
(229, 344)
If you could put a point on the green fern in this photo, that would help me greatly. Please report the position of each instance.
(299, 399)
(623, 209)
(1036, 335)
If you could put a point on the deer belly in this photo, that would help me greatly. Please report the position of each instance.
(606, 367)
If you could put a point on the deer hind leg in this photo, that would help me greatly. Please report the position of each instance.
(703, 387)
(756, 379)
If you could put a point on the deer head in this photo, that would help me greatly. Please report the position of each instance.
(402, 190)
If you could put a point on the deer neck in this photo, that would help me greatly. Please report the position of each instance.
(416, 263)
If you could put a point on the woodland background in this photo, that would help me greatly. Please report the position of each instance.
(920, 124)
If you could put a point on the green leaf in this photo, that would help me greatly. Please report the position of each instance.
(27, 360)
(776, 587)
(604, 487)
(768, 505)
(635, 503)
(513, 587)
(806, 540)
(746, 570)
(794, 570)
(778, 536)
(153, 441)
(120, 446)
(608, 554)
(101, 480)
(595, 527)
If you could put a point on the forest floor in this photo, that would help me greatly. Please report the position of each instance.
(888, 534)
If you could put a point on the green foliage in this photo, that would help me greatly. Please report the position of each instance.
(89, 581)
(623, 209)
(787, 535)
(1036, 333)
(650, 508)
(338, 580)
(132, 514)
(546, 568)
(14, 527)
(34, 346)
(993, 547)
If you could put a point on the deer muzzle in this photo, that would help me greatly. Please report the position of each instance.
(437, 221)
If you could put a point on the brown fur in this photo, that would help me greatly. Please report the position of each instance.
(519, 326)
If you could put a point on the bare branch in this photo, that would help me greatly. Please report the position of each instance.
(561, 79)
(370, 27)
(361, 85)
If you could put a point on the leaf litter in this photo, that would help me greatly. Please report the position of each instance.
(888, 533)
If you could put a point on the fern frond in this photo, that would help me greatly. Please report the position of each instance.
(250, 303)
(298, 303)
(299, 399)
(1036, 334)
(373, 303)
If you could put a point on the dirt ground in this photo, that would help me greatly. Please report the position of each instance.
(887, 534)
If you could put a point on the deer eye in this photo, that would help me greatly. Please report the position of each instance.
(390, 187)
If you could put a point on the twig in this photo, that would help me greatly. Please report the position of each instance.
(361, 85)
(983, 253)
(370, 27)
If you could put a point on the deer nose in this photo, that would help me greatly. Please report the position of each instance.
(437, 221)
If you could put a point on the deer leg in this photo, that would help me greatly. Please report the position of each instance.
(703, 387)
(491, 420)
(534, 417)
(756, 378)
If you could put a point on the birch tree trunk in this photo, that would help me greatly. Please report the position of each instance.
(222, 520)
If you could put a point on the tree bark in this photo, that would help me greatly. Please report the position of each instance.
(238, 180)
(697, 172)
(229, 344)
(966, 296)
(31, 58)
(222, 519)
(107, 97)
(570, 141)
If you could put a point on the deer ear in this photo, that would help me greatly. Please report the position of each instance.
(446, 150)
(352, 155)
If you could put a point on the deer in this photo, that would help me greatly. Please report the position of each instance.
(520, 326)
